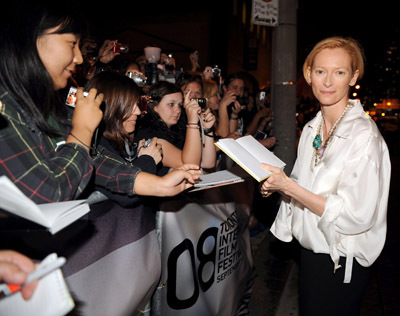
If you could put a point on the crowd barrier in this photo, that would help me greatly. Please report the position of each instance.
(206, 260)
(205, 252)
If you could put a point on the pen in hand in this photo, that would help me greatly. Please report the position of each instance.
(41, 270)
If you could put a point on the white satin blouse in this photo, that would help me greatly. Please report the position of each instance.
(354, 176)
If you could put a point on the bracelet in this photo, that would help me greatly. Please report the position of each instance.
(209, 132)
(81, 142)
(193, 126)
(234, 118)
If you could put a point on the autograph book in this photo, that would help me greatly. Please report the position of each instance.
(53, 216)
(248, 153)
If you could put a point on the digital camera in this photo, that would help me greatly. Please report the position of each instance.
(71, 97)
(243, 100)
(137, 78)
(119, 48)
(216, 71)
(202, 103)
(146, 143)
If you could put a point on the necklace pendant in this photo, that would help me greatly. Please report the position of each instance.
(317, 141)
(320, 151)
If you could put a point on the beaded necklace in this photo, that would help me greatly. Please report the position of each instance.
(319, 146)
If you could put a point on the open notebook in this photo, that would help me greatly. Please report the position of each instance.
(53, 216)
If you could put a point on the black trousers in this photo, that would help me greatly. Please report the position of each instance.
(323, 293)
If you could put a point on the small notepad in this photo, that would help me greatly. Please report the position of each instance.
(50, 298)
(219, 178)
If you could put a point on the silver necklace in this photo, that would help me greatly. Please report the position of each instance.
(319, 145)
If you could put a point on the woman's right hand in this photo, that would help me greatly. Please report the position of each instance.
(154, 150)
(87, 114)
(176, 181)
(14, 269)
(228, 98)
(173, 183)
(192, 109)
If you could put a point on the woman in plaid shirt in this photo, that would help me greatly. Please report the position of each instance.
(45, 145)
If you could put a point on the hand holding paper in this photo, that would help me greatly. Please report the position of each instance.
(278, 181)
(247, 152)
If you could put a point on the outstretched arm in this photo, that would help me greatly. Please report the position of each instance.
(171, 184)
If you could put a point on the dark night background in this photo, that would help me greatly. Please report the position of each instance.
(374, 24)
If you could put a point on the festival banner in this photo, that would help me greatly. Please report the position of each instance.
(205, 252)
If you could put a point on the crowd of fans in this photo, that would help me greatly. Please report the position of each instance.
(156, 129)
(204, 100)
(80, 121)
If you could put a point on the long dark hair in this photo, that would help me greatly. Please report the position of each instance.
(22, 72)
(175, 134)
(120, 96)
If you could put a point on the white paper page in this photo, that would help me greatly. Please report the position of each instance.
(62, 214)
(262, 154)
(14, 201)
(243, 158)
(55, 211)
(217, 178)
(50, 298)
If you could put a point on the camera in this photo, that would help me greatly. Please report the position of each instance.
(243, 100)
(216, 71)
(146, 143)
(137, 78)
(71, 97)
(119, 48)
(262, 95)
(202, 103)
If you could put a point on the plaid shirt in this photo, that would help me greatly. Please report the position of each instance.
(30, 159)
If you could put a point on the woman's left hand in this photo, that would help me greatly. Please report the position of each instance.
(106, 51)
(208, 119)
(154, 150)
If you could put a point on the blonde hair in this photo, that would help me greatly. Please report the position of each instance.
(210, 88)
(353, 48)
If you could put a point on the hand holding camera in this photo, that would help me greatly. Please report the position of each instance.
(192, 108)
(87, 107)
(110, 49)
(202, 102)
(228, 98)
(208, 119)
(151, 148)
